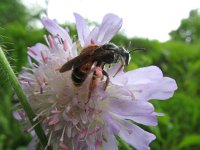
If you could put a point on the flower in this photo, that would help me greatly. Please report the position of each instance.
(69, 119)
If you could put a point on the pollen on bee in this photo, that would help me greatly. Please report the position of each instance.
(98, 72)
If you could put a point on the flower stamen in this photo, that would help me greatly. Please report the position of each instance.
(38, 115)
(49, 140)
(32, 51)
(63, 133)
(50, 41)
(31, 128)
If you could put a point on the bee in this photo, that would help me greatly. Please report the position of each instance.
(95, 55)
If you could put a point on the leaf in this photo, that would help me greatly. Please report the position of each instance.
(190, 140)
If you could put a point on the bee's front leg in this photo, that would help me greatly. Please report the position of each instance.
(107, 79)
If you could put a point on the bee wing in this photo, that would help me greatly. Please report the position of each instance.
(85, 56)
(68, 65)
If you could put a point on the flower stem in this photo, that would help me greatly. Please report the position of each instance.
(22, 97)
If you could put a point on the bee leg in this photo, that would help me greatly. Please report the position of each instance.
(122, 65)
(107, 80)
(118, 70)
(97, 75)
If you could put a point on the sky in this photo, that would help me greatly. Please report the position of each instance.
(152, 19)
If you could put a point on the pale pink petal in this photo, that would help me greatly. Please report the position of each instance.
(148, 119)
(128, 107)
(120, 92)
(39, 47)
(110, 25)
(165, 89)
(82, 29)
(143, 91)
(37, 50)
(19, 114)
(55, 30)
(135, 136)
(110, 143)
(148, 83)
(161, 89)
(143, 75)
(92, 36)
(103, 33)
(110, 123)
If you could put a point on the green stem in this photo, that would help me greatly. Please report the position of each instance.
(22, 97)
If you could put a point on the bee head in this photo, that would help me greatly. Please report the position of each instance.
(125, 55)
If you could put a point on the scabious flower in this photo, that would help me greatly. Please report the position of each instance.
(70, 121)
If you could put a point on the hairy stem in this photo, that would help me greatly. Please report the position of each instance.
(22, 97)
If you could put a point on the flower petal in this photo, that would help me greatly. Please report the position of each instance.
(110, 25)
(82, 29)
(103, 33)
(165, 89)
(135, 107)
(114, 127)
(55, 30)
(135, 136)
(144, 75)
(161, 89)
(148, 119)
(19, 114)
(92, 36)
(110, 143)
(39, 52)
(148, 83)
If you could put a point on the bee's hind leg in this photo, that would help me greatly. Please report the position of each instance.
(97, 76)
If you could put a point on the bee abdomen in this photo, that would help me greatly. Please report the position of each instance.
(79, 76)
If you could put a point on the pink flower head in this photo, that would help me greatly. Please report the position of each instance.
(69, 119)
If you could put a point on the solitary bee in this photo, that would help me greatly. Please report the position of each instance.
(95, 55)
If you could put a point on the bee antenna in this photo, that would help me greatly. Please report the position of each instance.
(137, 49)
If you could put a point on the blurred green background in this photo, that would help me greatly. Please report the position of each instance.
(179, 58)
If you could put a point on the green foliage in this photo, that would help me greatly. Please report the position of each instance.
(190, 140)
(16, 27)
(6, 12)
(189, 29)
(16, 40)
(10, 130)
